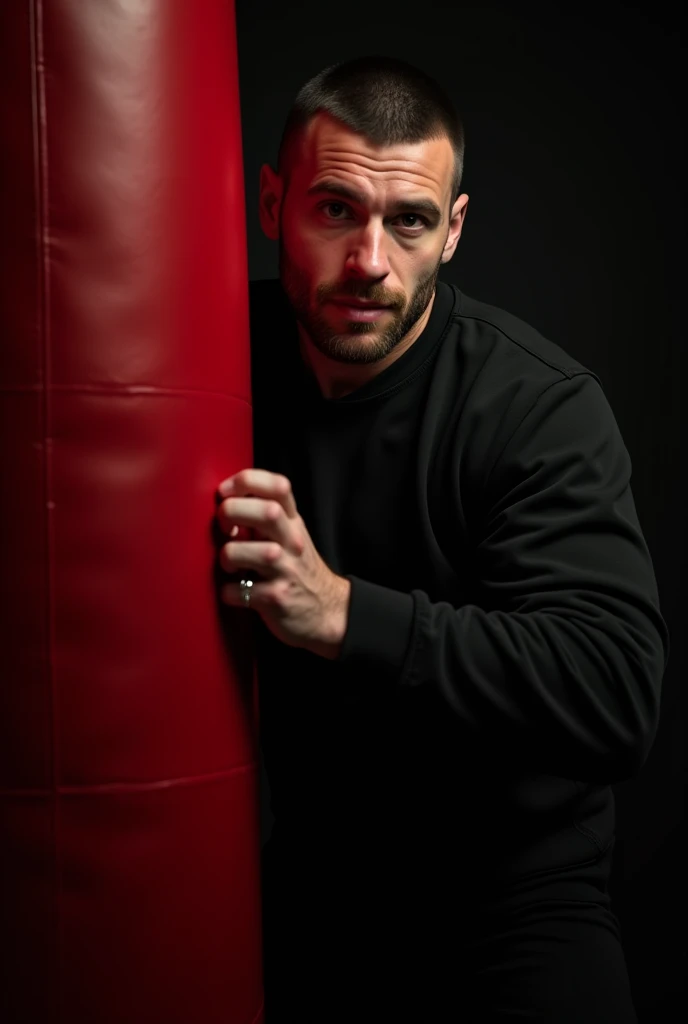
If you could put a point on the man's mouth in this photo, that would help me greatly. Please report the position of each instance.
(358, 311)
(359, 304)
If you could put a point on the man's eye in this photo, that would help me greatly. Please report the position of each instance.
(329, 206)
(415, 216)
(420, 221)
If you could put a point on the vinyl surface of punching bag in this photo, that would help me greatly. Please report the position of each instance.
(128, 752)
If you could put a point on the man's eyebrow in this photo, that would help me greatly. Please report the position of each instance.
(336, 188)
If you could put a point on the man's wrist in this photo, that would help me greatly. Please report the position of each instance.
(329, 642)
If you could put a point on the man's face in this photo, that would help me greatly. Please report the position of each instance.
(364, 246)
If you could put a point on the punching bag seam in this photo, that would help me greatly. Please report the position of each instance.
(40, 147)
(132, 787)
(128, 389)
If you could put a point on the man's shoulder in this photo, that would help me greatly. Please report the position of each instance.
(523, 343)
(503, 366)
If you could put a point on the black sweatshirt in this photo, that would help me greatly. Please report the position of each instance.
(504, 653)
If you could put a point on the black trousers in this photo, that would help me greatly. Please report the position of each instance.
(338, 949)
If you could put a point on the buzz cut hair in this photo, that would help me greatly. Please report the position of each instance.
(384, 99)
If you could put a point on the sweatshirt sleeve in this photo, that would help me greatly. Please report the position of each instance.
(567, 650)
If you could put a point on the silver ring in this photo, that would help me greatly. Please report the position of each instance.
(245, 587)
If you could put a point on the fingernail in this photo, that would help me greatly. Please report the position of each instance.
(226, 487)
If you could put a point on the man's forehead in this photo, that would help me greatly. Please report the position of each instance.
(325, 133)
(329, 145)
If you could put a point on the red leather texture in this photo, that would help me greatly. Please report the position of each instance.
(128, 736)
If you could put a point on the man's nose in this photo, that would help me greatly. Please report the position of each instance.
(367, 254)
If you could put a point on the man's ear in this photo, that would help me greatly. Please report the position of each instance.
(458, 216)
(269, 202)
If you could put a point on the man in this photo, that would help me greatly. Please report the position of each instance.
(459, 639)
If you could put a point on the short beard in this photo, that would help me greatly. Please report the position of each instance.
(347, 348)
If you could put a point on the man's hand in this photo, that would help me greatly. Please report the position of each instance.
(301, 601)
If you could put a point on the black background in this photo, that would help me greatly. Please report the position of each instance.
(575, 223)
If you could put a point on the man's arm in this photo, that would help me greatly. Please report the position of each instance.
(567, 651)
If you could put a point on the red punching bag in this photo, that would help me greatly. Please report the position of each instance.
(130, 842)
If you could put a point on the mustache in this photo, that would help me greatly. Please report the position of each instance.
(348, 293)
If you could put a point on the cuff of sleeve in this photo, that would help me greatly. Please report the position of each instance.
(378, 630)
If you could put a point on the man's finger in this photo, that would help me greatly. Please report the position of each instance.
(260, 556)
(266, 516)
(261, 483)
